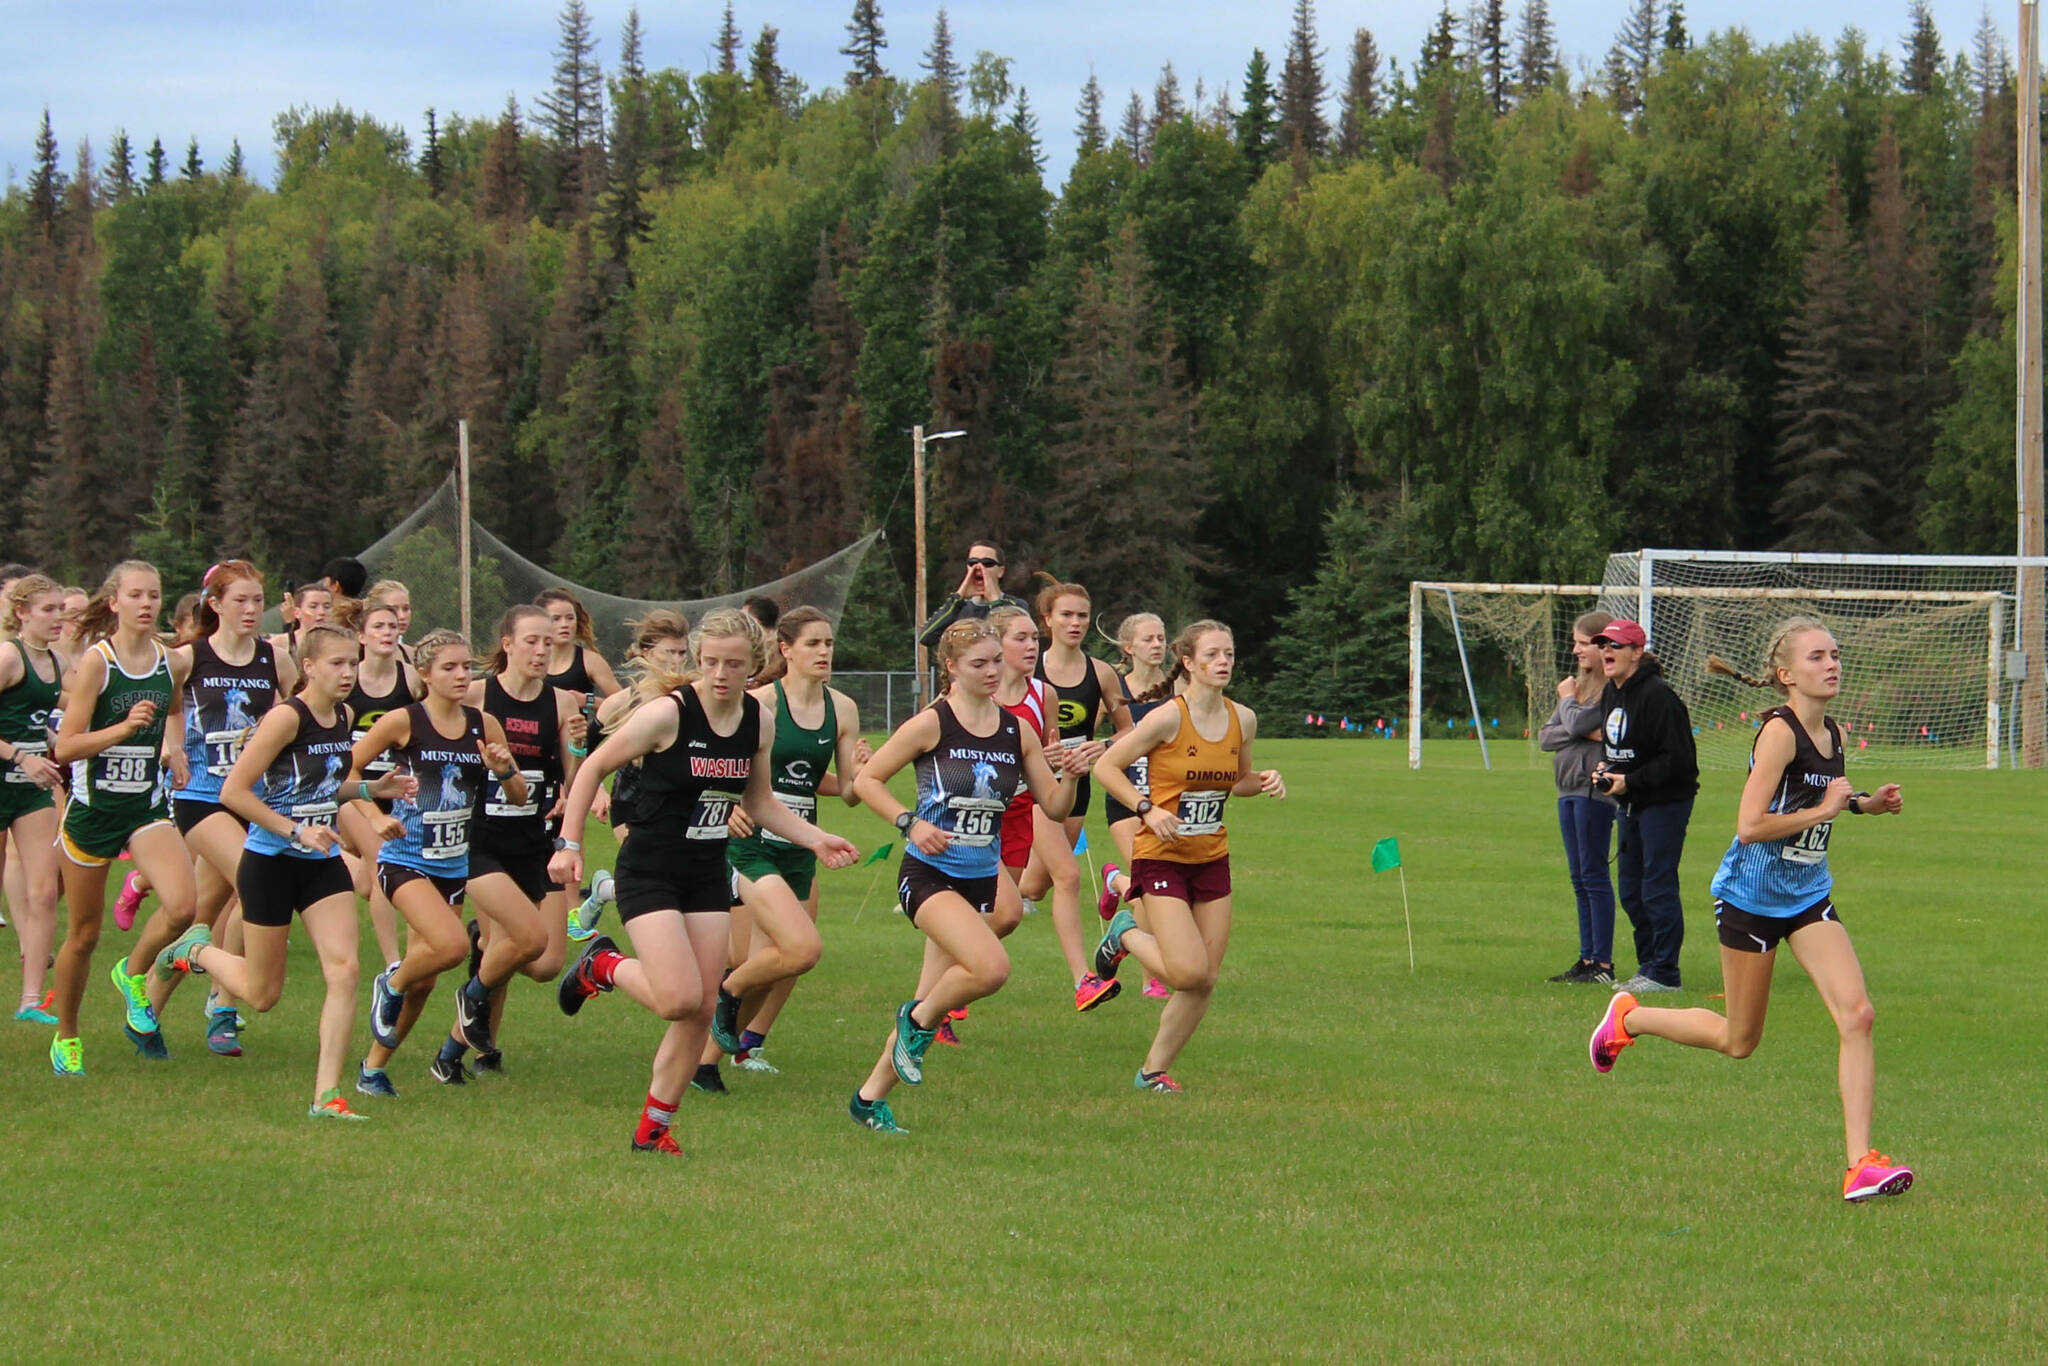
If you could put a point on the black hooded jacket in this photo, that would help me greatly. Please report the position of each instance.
(1649, 738)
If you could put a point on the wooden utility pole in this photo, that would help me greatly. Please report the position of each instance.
(924, 666)
(2033, 610)
(462, 520)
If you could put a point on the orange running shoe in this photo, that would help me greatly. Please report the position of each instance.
(1609, 1038)
(1873, 1175)
(663, 1142)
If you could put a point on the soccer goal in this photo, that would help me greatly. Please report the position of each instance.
(1927, 681)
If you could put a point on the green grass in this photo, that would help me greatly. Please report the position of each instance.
(1368, 1164)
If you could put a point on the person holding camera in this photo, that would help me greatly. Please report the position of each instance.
(980, 592)
(1652, 771)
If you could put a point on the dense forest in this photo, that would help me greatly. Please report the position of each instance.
(1269, 352)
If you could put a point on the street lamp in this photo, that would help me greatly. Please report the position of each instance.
(918, 439)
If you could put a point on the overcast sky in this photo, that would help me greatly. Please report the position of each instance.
(176, 68)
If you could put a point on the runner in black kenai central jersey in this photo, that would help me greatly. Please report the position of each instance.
(705, 746)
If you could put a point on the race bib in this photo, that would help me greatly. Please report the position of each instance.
(1073, 741)
(315, 813)
(444, 834)
(976, 821)
(495, 803)
(714, 809)
(25, 748)
(1201, 813)
(223, 747)
(805, 807)
(1140, 775)
(1809, 846)
(126, 770)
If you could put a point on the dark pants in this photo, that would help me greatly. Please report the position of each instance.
(1652, 839)
(1587, 825)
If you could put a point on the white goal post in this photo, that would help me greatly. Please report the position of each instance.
(1925, 641)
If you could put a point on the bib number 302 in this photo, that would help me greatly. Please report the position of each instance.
(1201, 813)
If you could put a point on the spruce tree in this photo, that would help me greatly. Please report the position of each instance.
(1535, 49)
(1132, 132)
(626, 218)
(1166, 101)
(46, 183)
(502, 196)
(660, 556)
(1361, 95)
(1024, 120)
(944, 79)
(431, 169)
(1639, 41)
(1495, 72)
(728, 43)
(1440, 49)
(1255, 120)
(154, 172)
(1302, 125)
(1676, 39)
(1092, 135)
(1923, 60)
(574, 113)
(121, 166)
(864, 44)
(764, 67)
(234, 168)
(194, 168)
(1909, 370)
(1990, 58)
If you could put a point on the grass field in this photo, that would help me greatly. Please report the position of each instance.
(1368, 1164)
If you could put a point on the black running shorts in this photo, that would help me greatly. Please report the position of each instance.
(529, 871)
(1748, 933)
(188, 812)
(918, 882)
(392, 876)
(272, 886)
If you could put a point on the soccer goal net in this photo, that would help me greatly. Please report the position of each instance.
(423, 552)
(1924, 644)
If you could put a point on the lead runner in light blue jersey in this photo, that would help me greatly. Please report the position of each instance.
(1774, 886)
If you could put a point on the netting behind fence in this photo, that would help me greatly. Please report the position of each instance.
(422, 553)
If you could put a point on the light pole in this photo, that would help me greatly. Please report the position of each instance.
(918, 439)
(2029, 606)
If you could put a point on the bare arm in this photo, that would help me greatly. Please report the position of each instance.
(1056, 798)
(846, 757)
(1149, 734)
(74, 741)
(767, 809)
(1755, 822)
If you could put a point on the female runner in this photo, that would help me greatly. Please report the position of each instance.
(1198, 755)
(775, 918)
(706, 745)
(287, 783)
(400, 598)
(574, 662)
(1773, 887)
(31, 681)
(1084, 686)
(385, 682)
(231, 677)
(971, 756)
(1144, 685)
(508, 863)
(661, 640)
(312, 604)
(113, 735)
(423, 864)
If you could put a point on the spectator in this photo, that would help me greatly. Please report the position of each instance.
(1585, 816)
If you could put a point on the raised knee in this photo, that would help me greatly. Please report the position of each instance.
(547, 966)
(265, 997)
(804, 955)
(530, 942)
(678, 1003)
(989, 977)
(1742, 1047)
(1857, 1018)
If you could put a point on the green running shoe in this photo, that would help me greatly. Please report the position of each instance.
(1110, 951)
(177, 955)
(912, 1039)
(135, 996)
(332, 1106)
(150, 1045)
(874, 1114)
(67, 1057)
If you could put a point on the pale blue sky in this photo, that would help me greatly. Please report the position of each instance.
(176, 68)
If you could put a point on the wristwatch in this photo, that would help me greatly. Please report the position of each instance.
(905, 821)
(573, 845)
(1144, 805)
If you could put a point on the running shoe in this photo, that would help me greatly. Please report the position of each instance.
(579, 983)
(1873, 1175)
(1609, 1037)
(752, 1061)
(874, 1114)
(1575, 973)
(583, 919)
(67, 1057)
(332, 1106)
(708, 1081)
(476, 948)
(725, 1021)
(906, 1055)
(1157, 989)
(1157, 1082)
(957, 1015)
(135, 996)
(473, 1019)
(372, 1081)
(663, 1142)
(1110, 951)
(34, 1014)
(1640, 985)
(128, 902)
(946, 1035)
(1599, 976)
(221, 1031)
(1093, 991)
(1106, 904)
(492, 1062)
(150, 1045)
(448, 1071)
(384, 1007)
(177, 955)
(1030, 906)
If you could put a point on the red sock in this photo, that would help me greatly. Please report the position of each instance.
(654, 1119)
(605, 966)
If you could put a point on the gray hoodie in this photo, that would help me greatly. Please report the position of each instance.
(1564, 734)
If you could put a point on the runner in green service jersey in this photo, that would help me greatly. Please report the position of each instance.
(31, 676)
(121, 698)
(774, 922)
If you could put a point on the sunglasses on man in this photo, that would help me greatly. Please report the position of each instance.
(982, 562)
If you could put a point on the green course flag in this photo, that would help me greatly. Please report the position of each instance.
(1386, 854)
(883, 853)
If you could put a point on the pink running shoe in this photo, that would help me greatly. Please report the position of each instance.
(1875, 1174)
(947, 1036)
(1609, 1038)
(130, 900)
(1157, 989)
(1106, 905)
